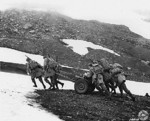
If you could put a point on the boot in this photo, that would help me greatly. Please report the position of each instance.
(40, 79)
(62, 85)
(33, 80)
(132, 97)
(34, 85)
(44, 86)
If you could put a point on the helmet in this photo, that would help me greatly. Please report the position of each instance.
(115, 65)
(28, 59)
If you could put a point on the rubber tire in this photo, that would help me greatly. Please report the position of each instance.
(81, 86)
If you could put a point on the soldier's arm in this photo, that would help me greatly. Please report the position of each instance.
(28, 69)
(39, 65)
(58, 67)
(88, 74)
(45, 64)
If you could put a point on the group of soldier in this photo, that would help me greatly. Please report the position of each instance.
(49, 71)
(107, 76)
(104, 76)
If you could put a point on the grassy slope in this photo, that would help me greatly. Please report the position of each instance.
(70, 106)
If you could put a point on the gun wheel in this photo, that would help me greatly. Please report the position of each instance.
(81, 86)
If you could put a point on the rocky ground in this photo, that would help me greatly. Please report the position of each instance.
(70, 106)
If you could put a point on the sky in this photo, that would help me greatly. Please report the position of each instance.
(133, 13)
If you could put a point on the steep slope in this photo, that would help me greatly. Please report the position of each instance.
(32, 25)
(42, 32)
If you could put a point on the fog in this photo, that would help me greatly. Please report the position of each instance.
(132, 13)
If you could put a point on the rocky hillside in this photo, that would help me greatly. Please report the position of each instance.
(70, 106)
(42, 32)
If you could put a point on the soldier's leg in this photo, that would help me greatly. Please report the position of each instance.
(53, 81)
(124, 87)
(120, 82)
(47, 81)
(100, 82)
(56, 85)
(121, 90)
(112, 86)
(107, 86)
(56, 81)
(62, 84)
(98, 88)
(33, 80)
(105, 89)
(95, 82)
(40, 79)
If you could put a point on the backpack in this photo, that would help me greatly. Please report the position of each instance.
(117, 65)
(97, 69)
(104, 63)
(52, 63)
(33, 65)
(116, 71)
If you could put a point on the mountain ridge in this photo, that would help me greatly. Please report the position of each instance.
(41, 33)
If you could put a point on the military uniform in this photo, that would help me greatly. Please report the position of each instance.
(51, 70)
(106, 74)
(35, 70)
(108, 81)
(119, 78)
(97, 77)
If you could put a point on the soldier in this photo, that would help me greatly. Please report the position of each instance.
(50, 66)
(97, 77)
(110, 84)
(107, 74)
(57, 70)
(35, 70)
(119, 78)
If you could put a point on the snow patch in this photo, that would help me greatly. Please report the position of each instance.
(138, 88)
(11, 55)
(14, 104)
(80, 46)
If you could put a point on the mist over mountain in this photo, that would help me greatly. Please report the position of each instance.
(41, 33)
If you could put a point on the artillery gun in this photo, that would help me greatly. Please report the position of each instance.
(82, 84)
